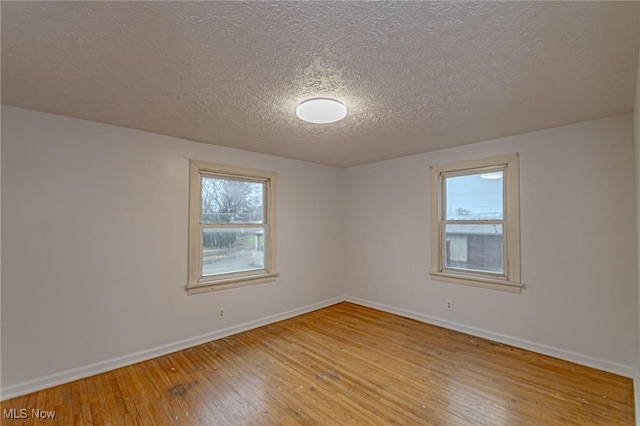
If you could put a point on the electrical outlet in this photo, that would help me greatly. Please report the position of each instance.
(220, 313)
(448, 304)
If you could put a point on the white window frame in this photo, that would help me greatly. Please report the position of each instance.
(510, 279)
(200, 284)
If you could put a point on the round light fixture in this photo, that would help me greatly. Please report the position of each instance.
(321, 110)
(491, 175)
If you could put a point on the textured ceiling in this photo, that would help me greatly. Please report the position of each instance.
(416, 76)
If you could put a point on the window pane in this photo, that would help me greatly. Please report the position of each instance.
(232, 250)
(231, 201)
(473, 197)
(474, 247)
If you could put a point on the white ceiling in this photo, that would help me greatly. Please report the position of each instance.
(416, 76)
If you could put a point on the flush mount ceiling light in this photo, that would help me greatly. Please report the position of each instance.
(321, 110)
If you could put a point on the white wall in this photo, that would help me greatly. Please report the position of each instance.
(95, 243)
(636, 138)
(0, 252)
(578, 225)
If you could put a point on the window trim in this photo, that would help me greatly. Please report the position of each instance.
(199, 284)
(510, 281)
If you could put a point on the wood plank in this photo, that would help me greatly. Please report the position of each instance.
(345, 364)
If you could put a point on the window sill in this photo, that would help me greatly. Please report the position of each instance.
(231, 283)
(494, 284)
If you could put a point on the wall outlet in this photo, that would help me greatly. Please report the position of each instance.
(220, 313)
(448, 304)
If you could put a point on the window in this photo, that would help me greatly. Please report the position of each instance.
(232, 221)
(475, 223)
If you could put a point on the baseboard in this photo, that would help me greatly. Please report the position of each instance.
(600, 364)
(45, 382)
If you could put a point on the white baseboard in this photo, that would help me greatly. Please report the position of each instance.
(600, 364)
(45, 382)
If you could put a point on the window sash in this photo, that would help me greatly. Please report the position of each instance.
(265, 195)
(443, 248)
(444, 222)
(469, 172)
(236, 225)
(234, 274)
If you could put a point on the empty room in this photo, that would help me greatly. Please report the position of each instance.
(319, 213)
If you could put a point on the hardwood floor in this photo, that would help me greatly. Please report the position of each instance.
(342, 365)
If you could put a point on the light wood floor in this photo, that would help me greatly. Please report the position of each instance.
(342, 365)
